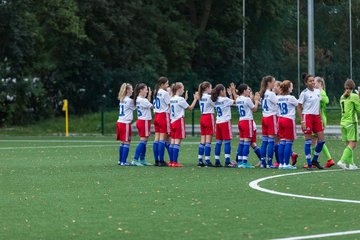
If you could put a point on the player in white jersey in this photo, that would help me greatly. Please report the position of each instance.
(309, 110)
(142, 97)
(123, 125)
(287, 127)
(207, 124)
(269, 120)
(246, 107)
(178, 105)
(161, 120)
(223, 123)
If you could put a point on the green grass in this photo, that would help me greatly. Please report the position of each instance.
(64, 188)
(91, 123)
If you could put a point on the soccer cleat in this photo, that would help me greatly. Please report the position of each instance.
(306, 166)
(317, 164)
(271, 166)
(217, 164)
(163, 164)
(170, 163)
(258, 164)
(240, 165)
(201, 164)
(136, 163)
(176, 164)
(341, 165)
(145, 163)
(229, 165)
(294, 157)
(248, 165)
(209, 164)
(353, 167)
(288, 167)
(329, 163)
(281, 166)
(156, 163)
(276, 165)
(309, 169)
(125, 164)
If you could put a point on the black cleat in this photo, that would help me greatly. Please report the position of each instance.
(163, 164)
(201, 164)
(156, 163)
(209, 164)
(309, 168)
(317, 164)
(229, 165)
(217, 165)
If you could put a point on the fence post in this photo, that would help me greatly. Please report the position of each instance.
(102, 121)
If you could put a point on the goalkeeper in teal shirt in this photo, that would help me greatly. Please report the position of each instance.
(350, 108)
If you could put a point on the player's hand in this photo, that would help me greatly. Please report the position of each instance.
(228, 90)
(186, 95)
(257, 97)
(149, 91)
(232, 87)
(196, 96)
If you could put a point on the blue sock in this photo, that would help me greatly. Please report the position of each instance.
(161, 150)
(246, 151)
(281, 150)
(201, 152)
(270, 150)
(125, 153)
(240, 151)
(318, 148)
(171, 152)
(139, 150)
(121, 148)
(263, 150)
(217, 151)
(307, 150)
(167, 146)
(143, 153)
(227, 150)
(176, 150)
(276, 147)
(288, 151)
(156, 150)
(207, 152)
(257, 151)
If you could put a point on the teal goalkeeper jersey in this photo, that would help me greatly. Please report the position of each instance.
(350, 107)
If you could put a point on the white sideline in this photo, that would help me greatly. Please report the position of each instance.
(61, 146)
(320, 235)
(255, 185)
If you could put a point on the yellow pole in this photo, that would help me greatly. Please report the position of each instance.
(65, 108)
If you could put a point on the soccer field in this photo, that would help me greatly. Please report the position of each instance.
(72, 188)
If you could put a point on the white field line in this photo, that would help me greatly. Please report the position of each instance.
(75, 141)
(61, 146)
(255, 185)
(321, 235)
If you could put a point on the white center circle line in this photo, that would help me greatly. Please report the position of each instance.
(255, 185)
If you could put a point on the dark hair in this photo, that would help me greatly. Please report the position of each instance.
(138, 88)
(306, 77)
(285, 87)
(160, 81)
(350, 85)
(216, 92)
(264, 82)
(202, 87)
(241, 88)
(175, 86)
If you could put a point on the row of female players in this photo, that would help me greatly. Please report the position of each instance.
(278, 122)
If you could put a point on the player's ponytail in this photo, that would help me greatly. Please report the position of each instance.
(285, 87)
(202, 87)
(138, 88)
(159, 83)
(123, 90)
(216, 92)
(241, 88)
(264, 84)
(174, 87)
(349, 87)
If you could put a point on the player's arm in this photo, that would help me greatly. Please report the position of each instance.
(299, 111)
(196, 97)
(256, 102)
(356, 101)
(324, 97)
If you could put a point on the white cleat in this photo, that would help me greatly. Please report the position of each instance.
(353, 167)
(341, 165)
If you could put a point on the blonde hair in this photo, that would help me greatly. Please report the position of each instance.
(202, 87)
(321, 81)
(122, 92)
(175, 86)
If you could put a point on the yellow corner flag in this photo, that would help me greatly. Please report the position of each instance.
(65, 108)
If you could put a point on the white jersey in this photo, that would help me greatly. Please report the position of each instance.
(223, 109)
(126, 108)
(287, 105)
(143, 107)
(177, 106)
(310, 101)
(245, 107)
(269, 104)
(161, 102)
(206, 105)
